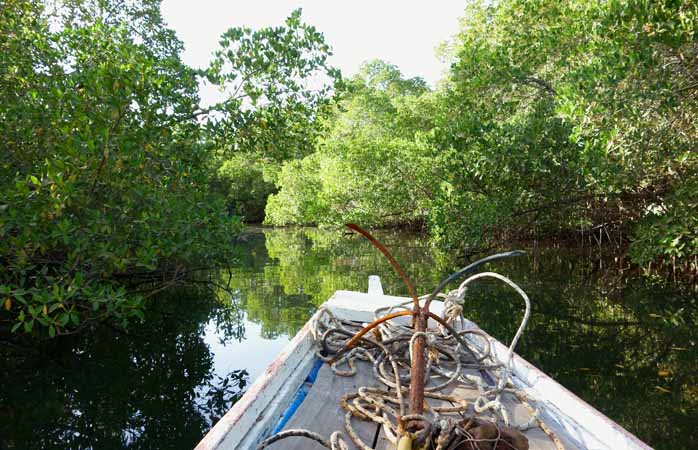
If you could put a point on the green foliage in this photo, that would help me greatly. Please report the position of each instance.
(556, 117)
(270, 69)
(113, 173)
(247, 186)
(104, 177)
(370, 165)
(570, 115)
(298, 200)
(277, 83)
(670, 231)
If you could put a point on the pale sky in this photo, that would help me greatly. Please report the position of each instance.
(404, 33)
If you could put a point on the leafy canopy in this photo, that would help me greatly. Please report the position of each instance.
(277, 83)
(107, 171)
(370, 164)
(555, 118)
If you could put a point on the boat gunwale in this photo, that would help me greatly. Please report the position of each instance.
(528, 377)
(289, 360)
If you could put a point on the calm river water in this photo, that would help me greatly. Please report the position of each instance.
(622, 342)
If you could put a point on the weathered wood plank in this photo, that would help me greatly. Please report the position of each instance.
(321, 412)
(382, 441)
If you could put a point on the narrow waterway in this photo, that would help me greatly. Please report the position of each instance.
(624, 343)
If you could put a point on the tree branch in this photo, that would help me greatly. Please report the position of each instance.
(539, 83)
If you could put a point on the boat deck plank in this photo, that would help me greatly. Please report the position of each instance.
(321, 412)
(382, 441)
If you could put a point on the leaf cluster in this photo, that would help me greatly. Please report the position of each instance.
(277, 83)
(104, 171)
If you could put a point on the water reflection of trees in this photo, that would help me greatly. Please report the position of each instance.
(153, 387)
(292, 272)
(622, 342)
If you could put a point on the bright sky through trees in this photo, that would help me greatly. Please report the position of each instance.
(404, 33)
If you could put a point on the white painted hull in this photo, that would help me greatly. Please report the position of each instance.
(254, 416)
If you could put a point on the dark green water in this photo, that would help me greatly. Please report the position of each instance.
(623, 343)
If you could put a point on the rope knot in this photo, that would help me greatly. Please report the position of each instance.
(453, 307)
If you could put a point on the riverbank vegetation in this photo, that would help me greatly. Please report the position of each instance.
(555, 119)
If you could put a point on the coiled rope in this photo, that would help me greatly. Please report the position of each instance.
(450, 361)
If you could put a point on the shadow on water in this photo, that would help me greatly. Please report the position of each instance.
(151, 388)
(623, 343)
